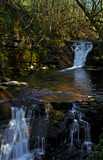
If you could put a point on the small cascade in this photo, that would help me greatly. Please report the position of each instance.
(33, 112)
(15, 145)
(40, 143)
(74, 131)
(74, 128)
(80, 131)
(81, 50)
(39, 149)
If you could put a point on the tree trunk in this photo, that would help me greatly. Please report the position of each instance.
(90, 17)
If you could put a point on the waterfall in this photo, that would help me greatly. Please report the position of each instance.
(80, 127)
(39, 145)
(81, 50)
(15, 144)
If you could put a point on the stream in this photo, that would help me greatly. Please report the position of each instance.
(55, 118)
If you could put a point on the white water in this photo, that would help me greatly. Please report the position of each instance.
(81, 50)
(15, 145)
(39, 145)
(77, 126)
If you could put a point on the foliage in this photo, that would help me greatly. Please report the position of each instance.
(32, 27)
(5, 20)
(98, 150)
(93, 10)
(101, 141)
(54, 18)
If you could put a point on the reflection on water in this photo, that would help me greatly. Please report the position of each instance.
(82, 80)
(60, 86)
(68, 85)
(56, 80)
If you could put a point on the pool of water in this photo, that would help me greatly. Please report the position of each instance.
(66, 85)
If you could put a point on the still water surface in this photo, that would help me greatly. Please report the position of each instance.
(83, 81)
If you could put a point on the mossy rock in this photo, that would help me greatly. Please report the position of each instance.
(56, 116)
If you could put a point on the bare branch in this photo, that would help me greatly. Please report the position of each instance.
(29, 23)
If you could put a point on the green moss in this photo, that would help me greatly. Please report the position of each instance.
(101, 141)
(1, 20)
(98, 150)
(34, 56)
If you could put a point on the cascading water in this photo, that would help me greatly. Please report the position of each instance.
(81, 50)
(15, 145)
(39, 145)
(80, 131)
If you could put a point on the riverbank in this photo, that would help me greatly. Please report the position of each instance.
(51, 102)
(25, 49)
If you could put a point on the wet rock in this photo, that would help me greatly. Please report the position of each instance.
(61, 56)
(93, 111)
(14, 83)
(63, 153)
(95, 58)
(62, 105)
(52, 121)
(5, 110)
(44, 68)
